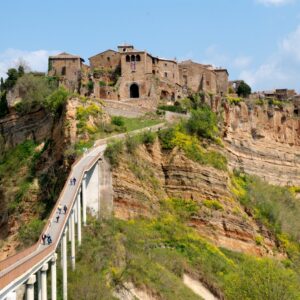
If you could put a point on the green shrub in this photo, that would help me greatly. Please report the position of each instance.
(102, 83)
(262, 279)
(118, 121)
(148, 137)
(234, 100)
(275, 206)
(113, 151)
(166, 137)
(203, 123)
(56, 101)
(213, 204)
(259, 102)
(29, 233)
(132, 142)
(90, 86)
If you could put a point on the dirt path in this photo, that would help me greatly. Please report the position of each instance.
(198, 288)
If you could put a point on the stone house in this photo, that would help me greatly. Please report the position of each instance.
(68, 69)
(196, 77)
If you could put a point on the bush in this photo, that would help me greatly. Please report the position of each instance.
(132, 143)
(113, 151)
(34, 92)
(56, 101)
(29, 233)
(213, 204)
(275, 206)
(203, 123)
(118, 121)
(262, 279)
(234, 100)
(148, 137)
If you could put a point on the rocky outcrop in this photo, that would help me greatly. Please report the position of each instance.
(15, 129)
(264, 141)
(171, 174)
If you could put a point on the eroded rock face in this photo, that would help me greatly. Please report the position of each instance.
(264, 141)
(176, 176)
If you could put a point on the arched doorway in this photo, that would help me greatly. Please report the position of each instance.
(134, 91)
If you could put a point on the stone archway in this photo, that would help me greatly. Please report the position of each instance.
(134, 91)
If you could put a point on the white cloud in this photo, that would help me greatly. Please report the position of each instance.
(281, 69)
(36, 60)
(274, 2)
(291, 45)
(242, 62)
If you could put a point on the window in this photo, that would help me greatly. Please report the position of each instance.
(153, 72)
(63, 71)
(166, 65)
(166, 74)
(207, 82)
(132, 58)
(124, 49)
(138, 58)
(108, 58)
(127, 58)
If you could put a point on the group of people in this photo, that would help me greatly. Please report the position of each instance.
(73, 181)
(60, 208)
(46, 237)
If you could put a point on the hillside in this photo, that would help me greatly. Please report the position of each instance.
(206, 197)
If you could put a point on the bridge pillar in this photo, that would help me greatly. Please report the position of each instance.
(79, 219)
(44, 281)
(83, 188)
(64, 255)
(39, 285)
(72, 220)
(69, 229)
(30, 287)
(75, 213)
(53, 277)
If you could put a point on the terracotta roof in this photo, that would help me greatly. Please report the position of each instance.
(65, 55)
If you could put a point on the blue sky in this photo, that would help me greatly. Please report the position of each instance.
(256, 40)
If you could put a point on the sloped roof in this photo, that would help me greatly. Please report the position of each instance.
(65, 55)
(108, 50)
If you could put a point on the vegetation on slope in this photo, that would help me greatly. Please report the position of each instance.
(154, 253)
(274, 206)
(190, 136)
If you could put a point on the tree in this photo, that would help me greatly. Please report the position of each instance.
(244, 89)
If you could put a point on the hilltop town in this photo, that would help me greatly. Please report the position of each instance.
(130, 73)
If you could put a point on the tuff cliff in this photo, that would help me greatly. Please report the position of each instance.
(264, 141)
(140, 181)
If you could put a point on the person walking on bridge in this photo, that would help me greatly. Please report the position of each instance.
(59, 208)
(65, 209)
(44, 238)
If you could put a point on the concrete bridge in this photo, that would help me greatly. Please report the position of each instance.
(93, 190)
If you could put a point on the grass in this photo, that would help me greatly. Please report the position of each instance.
(101, 130)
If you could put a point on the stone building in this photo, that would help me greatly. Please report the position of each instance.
(196, 77)
(130, 73)
(222, 81)
(68, 69)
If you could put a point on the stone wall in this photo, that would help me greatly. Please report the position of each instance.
(197, 77)
(109, 59)
(222, 81)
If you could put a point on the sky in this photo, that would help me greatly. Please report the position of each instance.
(256, 40)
